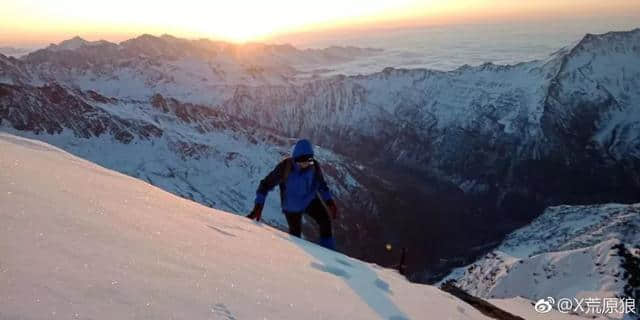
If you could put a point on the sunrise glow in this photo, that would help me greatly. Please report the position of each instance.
(245, 20)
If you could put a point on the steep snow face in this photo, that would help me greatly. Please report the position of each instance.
(585, 272)
(527, 111)
(81, 241)
(569, 251)
(408, 111)
(599, 81)
(190, 150)
(572, 227)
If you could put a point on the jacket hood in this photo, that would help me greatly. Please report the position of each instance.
(302, 148)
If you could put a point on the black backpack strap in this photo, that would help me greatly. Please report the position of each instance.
(322, 188)
(316, 168)
(287, 165)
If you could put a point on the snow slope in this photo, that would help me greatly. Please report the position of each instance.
(14, 52)
(82, 242)
(567, 252)
(186, 149)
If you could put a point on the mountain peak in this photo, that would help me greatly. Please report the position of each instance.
(146, 36)
(606, 40)
(73, 43)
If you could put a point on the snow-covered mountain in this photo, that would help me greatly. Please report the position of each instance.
(191, 150)
(478, 151)
(445, 163)
(567, 252)
(14, 52)
(193, 70)
(83, 242)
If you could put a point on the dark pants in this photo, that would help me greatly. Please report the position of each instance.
(316, 211)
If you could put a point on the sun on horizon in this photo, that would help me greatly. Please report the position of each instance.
(39, 21)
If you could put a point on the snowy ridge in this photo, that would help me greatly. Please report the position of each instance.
(86, 242)
(191, 150)
(194, 69)
(187, 149)
(565, 227)
(74, 44)
(567, 252)
(602, 70)
(14, 52)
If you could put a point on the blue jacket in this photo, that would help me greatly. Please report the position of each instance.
(301, 186)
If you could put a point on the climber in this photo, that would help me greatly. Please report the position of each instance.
(302, 190)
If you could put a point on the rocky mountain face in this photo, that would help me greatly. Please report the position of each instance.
(194, 151)
(441, 163)
(476, 152)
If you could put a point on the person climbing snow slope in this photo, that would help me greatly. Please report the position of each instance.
(303, 190)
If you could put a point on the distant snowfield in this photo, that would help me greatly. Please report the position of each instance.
(78, 241)
(567, 252)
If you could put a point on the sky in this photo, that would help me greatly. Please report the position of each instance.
(37, 22)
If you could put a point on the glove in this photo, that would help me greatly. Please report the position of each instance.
(333, 209)
(256, 213)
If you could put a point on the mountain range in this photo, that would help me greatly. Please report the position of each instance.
(444, 164)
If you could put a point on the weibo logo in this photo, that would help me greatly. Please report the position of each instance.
(544, 305)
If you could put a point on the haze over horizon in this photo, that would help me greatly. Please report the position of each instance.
(486, 144)
(36, 23)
